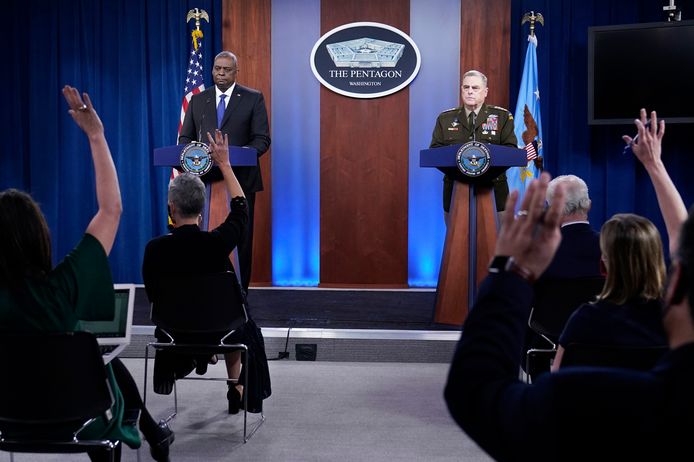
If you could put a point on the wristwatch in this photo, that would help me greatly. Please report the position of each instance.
(505, 263)
(498, 264)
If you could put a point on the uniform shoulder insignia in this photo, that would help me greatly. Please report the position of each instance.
(450, 110)
(498, 108)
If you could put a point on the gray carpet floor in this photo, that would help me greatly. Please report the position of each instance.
(319, 411)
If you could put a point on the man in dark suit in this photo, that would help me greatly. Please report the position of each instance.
(240, 113)
(576, 264)
(574, 414)
(578, 255)
(474, 120)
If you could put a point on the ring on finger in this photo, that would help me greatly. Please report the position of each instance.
(82, 108)
(522, 213)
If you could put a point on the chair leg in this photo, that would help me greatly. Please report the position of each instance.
(144, 394)
(245, 396)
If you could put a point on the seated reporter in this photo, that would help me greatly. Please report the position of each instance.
(189, 250)
(35, 297)
(627, 311)
(576, 413)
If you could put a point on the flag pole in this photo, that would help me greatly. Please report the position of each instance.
(528, 124)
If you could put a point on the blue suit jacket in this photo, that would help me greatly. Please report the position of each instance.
(578, 254)
(245, 121)
(574, 414)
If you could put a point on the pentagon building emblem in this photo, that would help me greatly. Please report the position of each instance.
(365, 60)
(365, 52)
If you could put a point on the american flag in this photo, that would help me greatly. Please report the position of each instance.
(531, 151)
(195, 81)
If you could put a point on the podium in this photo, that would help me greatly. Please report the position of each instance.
(170, 156)
(472, 228)
(217, 203)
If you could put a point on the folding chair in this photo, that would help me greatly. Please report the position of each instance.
(640, 358)
(55, 385)
(200, 304)
(555, 301)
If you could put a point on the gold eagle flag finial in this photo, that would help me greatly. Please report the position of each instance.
(532, 18)
(197, 14)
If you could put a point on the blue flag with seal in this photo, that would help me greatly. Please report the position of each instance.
(528, 126)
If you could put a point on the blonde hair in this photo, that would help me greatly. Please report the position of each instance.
(633, 253)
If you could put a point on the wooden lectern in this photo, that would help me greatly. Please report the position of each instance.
(217, 202)
(472, 228)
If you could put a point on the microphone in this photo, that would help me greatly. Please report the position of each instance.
(202, 122)
(627, 148)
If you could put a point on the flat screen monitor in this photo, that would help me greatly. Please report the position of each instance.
(647, 65)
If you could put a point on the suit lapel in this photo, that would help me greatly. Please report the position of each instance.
(209, 112)
(234, 102)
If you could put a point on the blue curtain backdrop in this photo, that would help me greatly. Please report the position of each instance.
(131, 58)
(617, 183)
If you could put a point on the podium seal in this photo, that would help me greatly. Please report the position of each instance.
(473, 159)
(196, 158)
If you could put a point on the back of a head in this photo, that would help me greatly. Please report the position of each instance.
(685, 256)
(25, 242)
(187, 193)
(575, 192)
(633, 253)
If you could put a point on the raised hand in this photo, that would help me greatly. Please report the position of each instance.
(219, 145)
(83, 112)
(647, 145)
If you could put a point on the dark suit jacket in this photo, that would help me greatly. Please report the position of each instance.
(578, 254)
(245, 121)
(574, 414)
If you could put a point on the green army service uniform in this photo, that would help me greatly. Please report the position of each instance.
(493, 125)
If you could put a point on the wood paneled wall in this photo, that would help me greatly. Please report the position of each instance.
(485, 44)
(246, 33)
(364, 169)
(364, 143)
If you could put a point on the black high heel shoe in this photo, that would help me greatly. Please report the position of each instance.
(234, 399)
(160, 449)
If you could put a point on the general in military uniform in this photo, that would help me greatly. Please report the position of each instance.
(492, 124)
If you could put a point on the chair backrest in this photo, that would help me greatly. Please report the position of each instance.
(198, 303)
(51, 379)
(555, 301)
(640, 358)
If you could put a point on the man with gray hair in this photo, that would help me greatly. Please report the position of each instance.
(478, 121)
(578, 254)
(574, 271)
